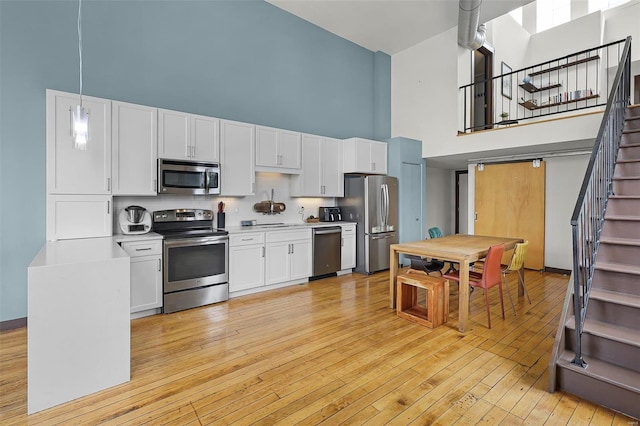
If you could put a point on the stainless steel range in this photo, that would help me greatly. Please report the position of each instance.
(196, 265)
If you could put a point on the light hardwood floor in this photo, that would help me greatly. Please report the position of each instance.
(328, 352)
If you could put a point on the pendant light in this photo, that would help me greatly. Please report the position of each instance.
(79, 116)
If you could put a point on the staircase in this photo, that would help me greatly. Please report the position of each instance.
(611, 336)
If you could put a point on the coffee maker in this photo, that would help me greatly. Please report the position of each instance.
(134, 220)
(329, 214)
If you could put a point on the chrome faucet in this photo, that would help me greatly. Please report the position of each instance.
(271, 204)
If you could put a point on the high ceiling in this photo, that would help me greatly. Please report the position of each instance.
(389, 26)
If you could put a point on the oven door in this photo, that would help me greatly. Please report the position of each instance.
(195, 262)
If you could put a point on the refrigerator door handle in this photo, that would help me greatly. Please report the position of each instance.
(385, 194)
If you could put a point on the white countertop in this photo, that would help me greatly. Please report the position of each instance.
(283, 227)
(81, 250)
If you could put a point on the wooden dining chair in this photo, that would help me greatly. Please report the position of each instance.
(515, 265)
(490, 276)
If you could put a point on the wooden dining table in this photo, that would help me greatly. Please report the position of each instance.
(460, 248)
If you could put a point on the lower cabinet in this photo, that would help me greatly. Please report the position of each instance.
(348, 247)
(246, 261)
(146, 274)
(289, 256)
(269, 258)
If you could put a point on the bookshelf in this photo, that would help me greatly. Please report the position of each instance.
(561, 98)
(532, 106)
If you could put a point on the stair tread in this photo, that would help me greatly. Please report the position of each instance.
(625, 197)
(626, 178)
(621, 217)
(614, 332)
(603, 370)
(618, 267)
(620, 241)
(628, 161)
(629, 145)
(616, 297)
(629, 131)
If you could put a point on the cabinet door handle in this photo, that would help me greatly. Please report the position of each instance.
(373, 166)
(159, 265)
(143, 249)
(292, 248)
(341, 242)
(108, 207)
(108, 184)
(263, 252)
(187, 151)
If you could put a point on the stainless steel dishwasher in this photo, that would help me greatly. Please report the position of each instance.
(327, 250)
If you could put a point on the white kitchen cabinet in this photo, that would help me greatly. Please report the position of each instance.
(237, 153)
(183, 136)
(72, 171)
(288, 255)
(246, 261)
(321, 174)
(134, 146)
(146, 274)
(278, 150)
(301, 259)
(364, 156)
(79, 216)
(278, 263)
(348, 257)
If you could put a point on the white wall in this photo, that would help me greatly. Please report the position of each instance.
(580, 34)
(440, 209)
(424, 90)
(559, 204)
(236, 208)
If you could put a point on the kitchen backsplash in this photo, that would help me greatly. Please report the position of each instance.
(236, 208)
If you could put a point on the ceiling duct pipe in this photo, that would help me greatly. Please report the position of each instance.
(471, 34)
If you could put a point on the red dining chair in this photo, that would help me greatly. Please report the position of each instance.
(490, 276)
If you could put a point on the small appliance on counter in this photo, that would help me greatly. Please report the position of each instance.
(330, 214)
(134, 220)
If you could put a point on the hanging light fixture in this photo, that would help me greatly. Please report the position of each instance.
(79, 116)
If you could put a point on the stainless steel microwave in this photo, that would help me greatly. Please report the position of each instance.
(188, 177)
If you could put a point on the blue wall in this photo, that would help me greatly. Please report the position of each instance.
(240, 60)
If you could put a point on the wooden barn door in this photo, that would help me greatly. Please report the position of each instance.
(509, 202)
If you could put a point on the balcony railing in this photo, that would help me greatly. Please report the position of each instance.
(575, 82)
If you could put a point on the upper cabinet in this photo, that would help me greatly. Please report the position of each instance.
(71, 171)
(183, 136)
(134, 149)
(278, 150)
(321, 174)
(237, 151)
(365, 156)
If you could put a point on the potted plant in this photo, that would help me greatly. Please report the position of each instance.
(504, 115)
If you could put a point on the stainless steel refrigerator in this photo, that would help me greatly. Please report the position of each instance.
(372, 202)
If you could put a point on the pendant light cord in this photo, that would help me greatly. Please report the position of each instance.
(80, 45)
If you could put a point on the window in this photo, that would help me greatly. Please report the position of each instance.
(595, 5)
(553, 12)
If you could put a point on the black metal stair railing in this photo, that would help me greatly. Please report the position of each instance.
(588, 216)
(573, 82)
